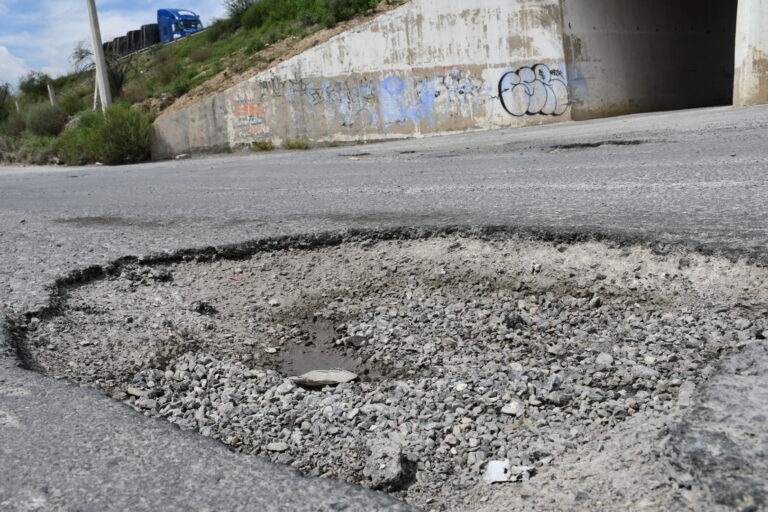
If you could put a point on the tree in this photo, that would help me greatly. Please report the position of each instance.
(117, 68)
(5, 101)
(236, 8)
(35, 84)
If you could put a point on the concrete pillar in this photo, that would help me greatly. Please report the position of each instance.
(51, 94)
(750, 85)
(105, 95)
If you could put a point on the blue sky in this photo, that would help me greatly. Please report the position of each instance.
(41, 34)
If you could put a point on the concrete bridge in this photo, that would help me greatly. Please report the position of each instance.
(462, 65)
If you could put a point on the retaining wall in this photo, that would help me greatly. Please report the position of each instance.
(426, 67)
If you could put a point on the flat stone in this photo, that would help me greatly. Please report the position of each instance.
(277, 447)
(318, 378)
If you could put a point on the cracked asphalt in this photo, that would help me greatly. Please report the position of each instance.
(697, 178)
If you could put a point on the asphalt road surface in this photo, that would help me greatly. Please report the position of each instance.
(698, 178)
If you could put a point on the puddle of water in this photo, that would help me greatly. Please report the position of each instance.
(320, 351)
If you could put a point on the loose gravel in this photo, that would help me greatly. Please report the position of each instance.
(468, 350)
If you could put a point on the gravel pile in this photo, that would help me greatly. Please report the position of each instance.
(466, 350)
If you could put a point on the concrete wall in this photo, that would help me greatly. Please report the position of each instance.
(429, 66)
(751, 81)
(644, 55)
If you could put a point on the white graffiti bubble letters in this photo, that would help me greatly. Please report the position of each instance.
(531, 91)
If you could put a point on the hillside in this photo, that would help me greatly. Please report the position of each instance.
(169, 77)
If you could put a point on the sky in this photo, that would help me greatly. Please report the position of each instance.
(41, 34)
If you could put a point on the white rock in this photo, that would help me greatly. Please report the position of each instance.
(504, 471)
(604, 360)
(285, 387)
(317, 378)
(515, 407)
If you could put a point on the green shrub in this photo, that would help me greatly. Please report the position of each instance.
(7, 147)
(262, 145)
(220, 28)
(295, 144)
(72, 103)
(35, 149)
(121, 136)
(6, 99)
(46, 120)
(80, 145)
(126, 136)
(168, 71)
(16, 124)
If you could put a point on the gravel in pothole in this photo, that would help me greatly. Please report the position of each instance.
(467, 350)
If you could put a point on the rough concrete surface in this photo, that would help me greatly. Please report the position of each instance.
(693, 178)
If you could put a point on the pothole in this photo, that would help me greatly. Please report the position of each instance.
(468, 350)
(576, 146)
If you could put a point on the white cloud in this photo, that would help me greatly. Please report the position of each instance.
(11, 67)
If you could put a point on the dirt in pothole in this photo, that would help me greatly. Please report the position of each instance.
(468, 351)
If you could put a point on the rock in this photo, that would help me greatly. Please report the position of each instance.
(319, 378)
(451, 440)
(146, 403)
(202, 307)
(385, 466)
(504, 471)
(462, 386)
(643, 372)
(161, 273)
(285, 387)
(515, 407)
(604, 360)
(277, 447)
(141, 393)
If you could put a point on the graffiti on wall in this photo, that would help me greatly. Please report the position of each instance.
(537, 90)
(356, 105)
(250, 120)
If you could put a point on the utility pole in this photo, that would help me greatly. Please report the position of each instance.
(51, 94)
(102, 80)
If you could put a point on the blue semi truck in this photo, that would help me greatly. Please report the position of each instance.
(176, 23)
(171, 24)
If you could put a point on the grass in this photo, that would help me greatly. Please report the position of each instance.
(262, 145)
(296, 144)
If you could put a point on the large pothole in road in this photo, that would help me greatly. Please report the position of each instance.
(467, 350)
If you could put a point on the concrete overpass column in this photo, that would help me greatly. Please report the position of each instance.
(751, 67)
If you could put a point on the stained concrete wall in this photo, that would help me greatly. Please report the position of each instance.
(751, 81)
(426, 67)
(644, 55)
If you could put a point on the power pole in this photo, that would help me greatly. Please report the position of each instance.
(102, 80)
(51, 94)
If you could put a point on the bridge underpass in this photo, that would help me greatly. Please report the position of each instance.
(648, 55)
